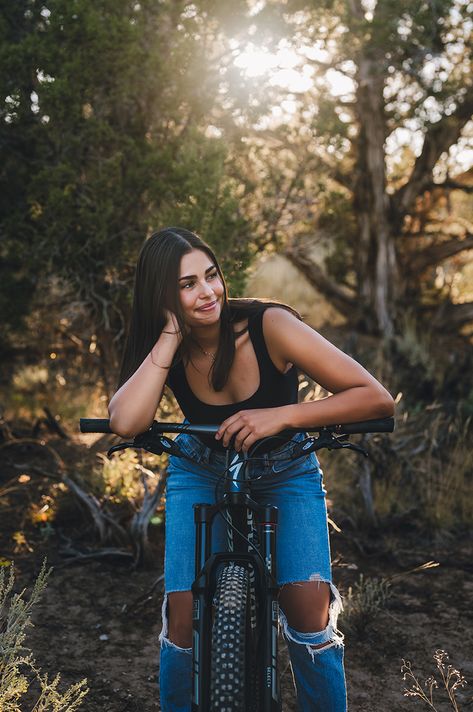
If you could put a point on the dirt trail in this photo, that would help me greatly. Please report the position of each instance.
(82, 604)
(81, 629)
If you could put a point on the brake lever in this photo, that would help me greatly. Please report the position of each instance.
(352, 446)
(324, 440)
(149, 442)
(116, 448)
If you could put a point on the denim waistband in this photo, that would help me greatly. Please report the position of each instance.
(199, 451)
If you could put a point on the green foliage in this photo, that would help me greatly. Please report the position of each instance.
(117, 480)
(106, 111)
(15, 618)
(15, 295)
(119, 118)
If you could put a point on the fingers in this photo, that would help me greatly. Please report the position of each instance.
(229, 428)
(238, 426)
(243, 439)
(225, 431)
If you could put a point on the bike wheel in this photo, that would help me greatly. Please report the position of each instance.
(232, 666)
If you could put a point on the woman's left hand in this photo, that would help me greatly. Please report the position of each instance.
(248, 426)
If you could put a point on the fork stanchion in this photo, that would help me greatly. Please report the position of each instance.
(270, 682)
(201, 611)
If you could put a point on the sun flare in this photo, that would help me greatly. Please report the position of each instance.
(289, 69)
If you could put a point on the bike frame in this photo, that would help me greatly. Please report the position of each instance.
(247, 516)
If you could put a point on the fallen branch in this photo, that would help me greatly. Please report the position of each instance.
(50, 422)
(21, 442)
(102, 520)
(140, 521)
(141, 600)
(77, 557)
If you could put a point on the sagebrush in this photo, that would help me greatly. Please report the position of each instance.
(18, 668)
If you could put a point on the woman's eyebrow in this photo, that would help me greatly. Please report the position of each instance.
(194, 276)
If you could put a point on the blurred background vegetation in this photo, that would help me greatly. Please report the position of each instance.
(325, 150)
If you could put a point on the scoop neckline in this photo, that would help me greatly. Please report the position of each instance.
(227, 405)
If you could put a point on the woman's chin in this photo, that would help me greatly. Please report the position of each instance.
(207, 318)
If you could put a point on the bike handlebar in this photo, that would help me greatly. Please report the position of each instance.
(377, 425)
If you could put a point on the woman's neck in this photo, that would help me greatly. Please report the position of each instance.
(207, 337)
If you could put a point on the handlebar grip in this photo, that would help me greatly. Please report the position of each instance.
(377, 425)
(95, 425)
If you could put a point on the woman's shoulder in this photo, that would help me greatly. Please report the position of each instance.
(276, 318)
(251, 307)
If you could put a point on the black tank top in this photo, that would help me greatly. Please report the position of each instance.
(275, 389)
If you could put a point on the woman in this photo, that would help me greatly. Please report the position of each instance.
(234, 362)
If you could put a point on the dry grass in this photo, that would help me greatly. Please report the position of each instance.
(449, 680)
(363, 601)
(424, 469)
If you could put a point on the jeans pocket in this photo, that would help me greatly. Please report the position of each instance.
(302, 465)
(190, 446)
(281, 465)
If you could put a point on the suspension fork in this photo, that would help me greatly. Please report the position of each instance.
(269, 681)
(201, 611)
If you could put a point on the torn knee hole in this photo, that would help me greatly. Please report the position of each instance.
(322, 645)
(167, 642)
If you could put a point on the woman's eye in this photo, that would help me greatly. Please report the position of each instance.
(191, 284)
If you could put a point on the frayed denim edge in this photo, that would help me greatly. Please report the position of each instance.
(163, 639)
(330, 633)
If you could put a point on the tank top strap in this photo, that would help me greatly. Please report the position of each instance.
(255, 328)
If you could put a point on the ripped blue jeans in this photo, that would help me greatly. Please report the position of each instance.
(302, 552)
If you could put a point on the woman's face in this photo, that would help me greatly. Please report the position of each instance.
(200, 289)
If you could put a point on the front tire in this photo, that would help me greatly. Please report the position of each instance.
(232, 657)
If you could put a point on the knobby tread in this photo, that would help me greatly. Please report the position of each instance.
(229, 645)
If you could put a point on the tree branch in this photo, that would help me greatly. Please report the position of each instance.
(346, 180)
(340, 297)
(140, 521)
(450, 317)
(450, 184)
(438, 138)
(439, 252)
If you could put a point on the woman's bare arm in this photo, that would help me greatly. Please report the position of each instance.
(357, 395)
(133, 407)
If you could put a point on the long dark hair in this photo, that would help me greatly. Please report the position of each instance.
(156, 288)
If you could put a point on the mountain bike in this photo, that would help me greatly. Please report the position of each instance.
(235, 592)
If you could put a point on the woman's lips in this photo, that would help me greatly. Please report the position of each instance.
(208, 307)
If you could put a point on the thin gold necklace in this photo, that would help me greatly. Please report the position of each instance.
(207, 353)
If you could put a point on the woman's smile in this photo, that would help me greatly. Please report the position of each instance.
(208, 307)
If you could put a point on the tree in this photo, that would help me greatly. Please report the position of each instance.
(381, 72)
(103, 129)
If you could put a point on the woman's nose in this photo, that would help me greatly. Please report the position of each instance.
(206, 289)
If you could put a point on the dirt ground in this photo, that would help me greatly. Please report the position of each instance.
(88, 623)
